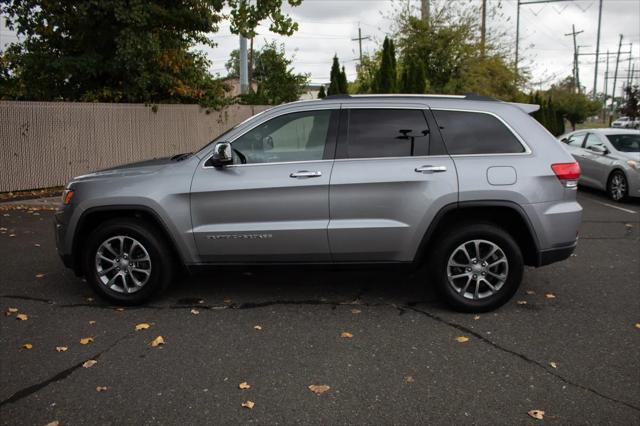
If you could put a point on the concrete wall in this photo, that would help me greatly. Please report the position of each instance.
(43, 144)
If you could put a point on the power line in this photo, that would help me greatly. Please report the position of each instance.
(359, 40)
(576, 73)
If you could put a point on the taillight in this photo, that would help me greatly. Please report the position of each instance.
(568, 173)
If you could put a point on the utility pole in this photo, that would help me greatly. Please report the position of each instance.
(629, 69)
(595, 73)
(244, 78)
(424, 10)
(576, 78)
(483, 28)
(606, 80)
(359, 40)
(517, 37)
(615, 75)
(250, 66)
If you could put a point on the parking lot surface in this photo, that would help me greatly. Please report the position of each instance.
(567, 344)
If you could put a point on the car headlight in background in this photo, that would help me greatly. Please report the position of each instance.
(67, 196)
(634, 164)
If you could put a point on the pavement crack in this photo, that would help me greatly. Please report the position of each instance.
(29, 298)
(30, 390)
(521, 356)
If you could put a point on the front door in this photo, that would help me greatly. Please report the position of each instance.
(273, 205)
(390, 177)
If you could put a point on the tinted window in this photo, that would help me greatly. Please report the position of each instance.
(625, 143)
(387, 133)
(575, 140)
(299, 136)
(476, 133)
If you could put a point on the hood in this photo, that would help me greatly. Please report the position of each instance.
(130, 169)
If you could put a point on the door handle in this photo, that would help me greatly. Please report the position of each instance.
(303, 174)
(431, 169)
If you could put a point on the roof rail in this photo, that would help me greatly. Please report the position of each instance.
(467, 96)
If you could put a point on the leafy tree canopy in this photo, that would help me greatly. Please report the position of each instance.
(115, 51)
(575, 107)
(277, 82)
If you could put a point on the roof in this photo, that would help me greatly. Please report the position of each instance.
(609, 131)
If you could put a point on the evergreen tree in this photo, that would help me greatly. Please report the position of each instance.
(385, 81)
(335, 84)
(321, 93)
(419, 78)
(344, 85)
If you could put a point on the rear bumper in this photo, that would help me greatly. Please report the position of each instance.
(546, 257)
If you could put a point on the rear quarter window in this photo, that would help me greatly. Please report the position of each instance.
(476, 133)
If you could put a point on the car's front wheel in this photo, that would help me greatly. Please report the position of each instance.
(477, 267)
(617, 186)
(126, 262)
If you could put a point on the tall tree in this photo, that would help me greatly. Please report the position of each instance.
(115, 51)
(575, 107)
(336, 85)
(631, 107)
(321, 93)
(344, 85)
(277, 82)
(385, 80)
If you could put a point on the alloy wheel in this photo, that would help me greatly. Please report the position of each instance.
(477, 269)
(123, 264)
(618, 187)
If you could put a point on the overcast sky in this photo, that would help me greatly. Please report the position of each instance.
(327, 27)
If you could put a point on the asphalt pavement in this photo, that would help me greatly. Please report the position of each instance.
(567, 344)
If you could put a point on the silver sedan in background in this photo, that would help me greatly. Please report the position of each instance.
(609, 160)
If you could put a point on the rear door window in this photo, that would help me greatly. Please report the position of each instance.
(376, 133)
(575, 140)
(467, 133)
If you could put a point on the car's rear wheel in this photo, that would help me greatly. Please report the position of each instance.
(477, 267)
(127, 261)
(617, 186)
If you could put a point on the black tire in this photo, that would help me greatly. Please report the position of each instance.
(617, 186)
(161, 260)
(451, 240)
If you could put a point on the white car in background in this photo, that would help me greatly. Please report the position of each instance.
(626, 123)
(609, 160)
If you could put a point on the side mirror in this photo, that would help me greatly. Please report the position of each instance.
(222, 155)
(598, 149)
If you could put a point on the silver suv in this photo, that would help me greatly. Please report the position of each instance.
(473, 187)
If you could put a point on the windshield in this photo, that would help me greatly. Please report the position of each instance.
(625, 143)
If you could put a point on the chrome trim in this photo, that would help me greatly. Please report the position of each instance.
(269, 164)
(303, 174)
(527, 150)
(431, 169)
(395, 158)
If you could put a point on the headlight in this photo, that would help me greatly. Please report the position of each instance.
(67, 196)
(634, 164)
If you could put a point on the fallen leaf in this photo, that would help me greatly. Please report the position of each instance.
(11, 311)
(536, 414)
(37, 245)
(638, 325)
(227, 301)
(101, 388)
(553, 364)
(91, 322)
(22, 317)
(27, 346)
(86, 340)
(90, 363)
(462, 339)
(244, 385)
(408, 379)
(521, 302)
(12, 235)
(248, 404)
(195, 311)
(89, 299)
(142, 326)
(355, 311)
(346, 335)
(157, 341)
(257, 327)
(53, 423)
(119, 309)
(530, 292)
(477, 317)
(40, 275)
(319, 389)
(550, 296)
(61, 348)
(201, 301)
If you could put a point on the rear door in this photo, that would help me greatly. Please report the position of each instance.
(595, 166)
(390, 177)
(273, 206)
